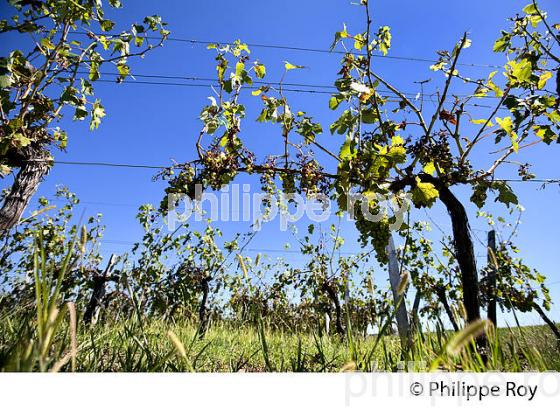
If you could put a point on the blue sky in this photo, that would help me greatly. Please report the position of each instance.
(148, 124)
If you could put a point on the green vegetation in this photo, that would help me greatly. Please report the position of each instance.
(134, 346)
(191, 300)
(47, 333)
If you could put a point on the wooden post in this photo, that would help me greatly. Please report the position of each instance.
(395, 278)
(492, 277)
(327, 324)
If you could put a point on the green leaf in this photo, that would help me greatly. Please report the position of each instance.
(359, 41)
(397, 152)
(514, 143)
(344, 123)
(482, 121)
(384, 39)
(5, 81)
(224, 140)
(20, 140)
(94, 71)
(339, 35)
(307, 128)
(80, 113)
(346, 150)
(554, 116)
(544, 77)
(369, 116)
(505, 194)
(545, 133)
(519, 72)
(104, 42)
(530, 9)
(289, 66)
(221, 69)
(490, 84)
(124, 70)
(47, 43)
(440, 65)
(263, 116)
(240, 47)
(479, 195)
(424, 194)
(260, 70)
(506, 124)
(239, 68)
(335, 101)
(429, 168)
(97, 113)
(138, 41)
(106, 25)
(481, 91)
(502, 43)
(228, 86)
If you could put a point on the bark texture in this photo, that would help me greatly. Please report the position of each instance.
(443, 299)
(547, 320)
(203, 311)
(328, 288)
(492, 315)
(33, 166)
(98, 292)
(463, 244)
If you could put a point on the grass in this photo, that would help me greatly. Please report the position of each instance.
(45, 335)
(159, 346)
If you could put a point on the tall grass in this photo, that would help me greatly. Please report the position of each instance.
(40, 338)
(160, 346)
(45, 336)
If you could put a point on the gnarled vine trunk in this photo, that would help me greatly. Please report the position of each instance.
(98, 291)
(33, 167)
(328, 288)
(464, 252)
(492, 313)
(414, 312)
(462, 241)
(443, 299)
(203, 311)
(547, 320)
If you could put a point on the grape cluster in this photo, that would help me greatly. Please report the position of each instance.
(434, 149)
(437, 149)
(524, 171)
(376, 233)
(267, 176)
(312, 180)
(288, 183)
(220, 168)
(181, 183)
(372, 137)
